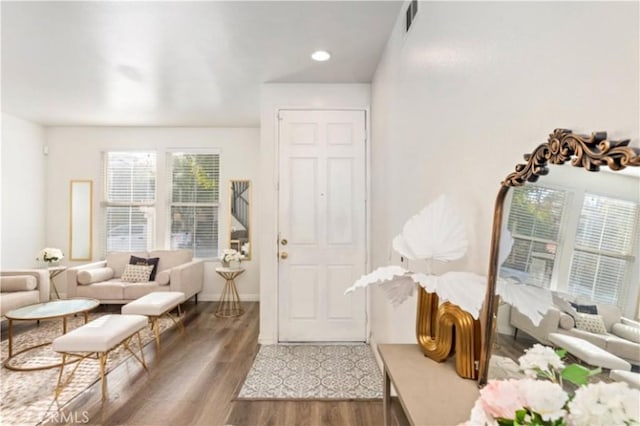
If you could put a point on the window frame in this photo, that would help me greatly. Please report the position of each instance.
(169, 195)
(106, 203)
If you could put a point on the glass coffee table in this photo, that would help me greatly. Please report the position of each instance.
(42, 311)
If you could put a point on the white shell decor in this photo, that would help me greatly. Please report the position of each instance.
(464, 289)
(530, 300)
(437, 232)
(395, 281)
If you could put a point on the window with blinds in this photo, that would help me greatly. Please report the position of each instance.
(604, 247)
(195, 189)
(130, 184)
(535, 215)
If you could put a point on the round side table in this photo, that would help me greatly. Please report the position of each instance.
(229, 304)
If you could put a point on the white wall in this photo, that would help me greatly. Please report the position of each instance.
(473, 86)
(272, 98)
(76, 153)
(23, 196)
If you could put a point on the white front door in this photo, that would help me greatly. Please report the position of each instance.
(322, 225)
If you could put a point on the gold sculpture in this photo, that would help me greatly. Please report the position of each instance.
(445, 329)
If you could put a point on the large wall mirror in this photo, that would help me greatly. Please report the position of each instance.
(240, 217)
(81, 220)
(572, 236)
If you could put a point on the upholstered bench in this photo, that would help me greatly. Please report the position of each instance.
(631, 378)
(154, 305)
(98, 337)
(588, 352)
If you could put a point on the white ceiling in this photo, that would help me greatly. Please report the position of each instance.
(178, 63)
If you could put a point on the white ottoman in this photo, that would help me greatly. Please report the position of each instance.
(588, 352)
(154, 305)
(633, 379)
(99, 337)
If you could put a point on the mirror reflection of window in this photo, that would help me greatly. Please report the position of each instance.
(240, 217)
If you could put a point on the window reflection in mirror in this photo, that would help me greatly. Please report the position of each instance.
(240, 217)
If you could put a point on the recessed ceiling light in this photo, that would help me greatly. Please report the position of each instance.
(320, 55)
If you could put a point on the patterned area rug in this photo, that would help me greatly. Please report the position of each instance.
(28, 397)
(317, 372)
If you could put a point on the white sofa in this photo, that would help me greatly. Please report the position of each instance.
(177, 271)
(621, 339)
(24, 287)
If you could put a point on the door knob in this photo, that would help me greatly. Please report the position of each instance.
(284, 255)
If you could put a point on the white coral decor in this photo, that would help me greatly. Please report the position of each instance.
(605, 404)
(49, 255)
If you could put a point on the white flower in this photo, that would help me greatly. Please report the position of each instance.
(540, 359)
(229, 255)
(479, 416)
(544, 397)
(49, 254)
(605, 404)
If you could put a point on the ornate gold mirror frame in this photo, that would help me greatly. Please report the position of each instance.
(588, 152)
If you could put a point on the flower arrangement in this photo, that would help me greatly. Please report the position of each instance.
(544, 402)
(230, 255)
(50, 255)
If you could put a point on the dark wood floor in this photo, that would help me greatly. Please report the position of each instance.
(195, 378)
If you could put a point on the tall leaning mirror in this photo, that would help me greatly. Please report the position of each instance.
(80, 219)
(569, 238)
(240, 217)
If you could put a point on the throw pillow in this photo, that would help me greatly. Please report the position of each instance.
(137, 273)
(90, 276)
(135, 260)
(585, 309)
(591, 323)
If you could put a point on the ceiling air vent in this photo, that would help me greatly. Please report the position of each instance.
(412, 9)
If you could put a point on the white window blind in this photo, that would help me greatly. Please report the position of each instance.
(130, 184)
(603, 251)
(535, 215)
(195, 189)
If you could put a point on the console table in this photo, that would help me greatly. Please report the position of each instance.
(430, 393)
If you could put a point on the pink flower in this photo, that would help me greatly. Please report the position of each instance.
(502, 398)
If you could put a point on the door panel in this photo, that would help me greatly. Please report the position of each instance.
(321, 216)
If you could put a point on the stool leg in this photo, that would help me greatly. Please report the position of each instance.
(156, 330)
(59, 385)
(103, 378)
(144, 364)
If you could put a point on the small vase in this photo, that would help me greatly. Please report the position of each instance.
(234, 264)
(225, 263)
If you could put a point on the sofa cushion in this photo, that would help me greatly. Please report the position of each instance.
(18, 283)
(137, 273)
(591, 323)
(600, 340)
(611, 314)
(107, 290)
(137, 290)
(624, 348)
(117, 261)
(628, 332)
(172, 258)
(90, 276)
(153, 261)
(163, 277)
